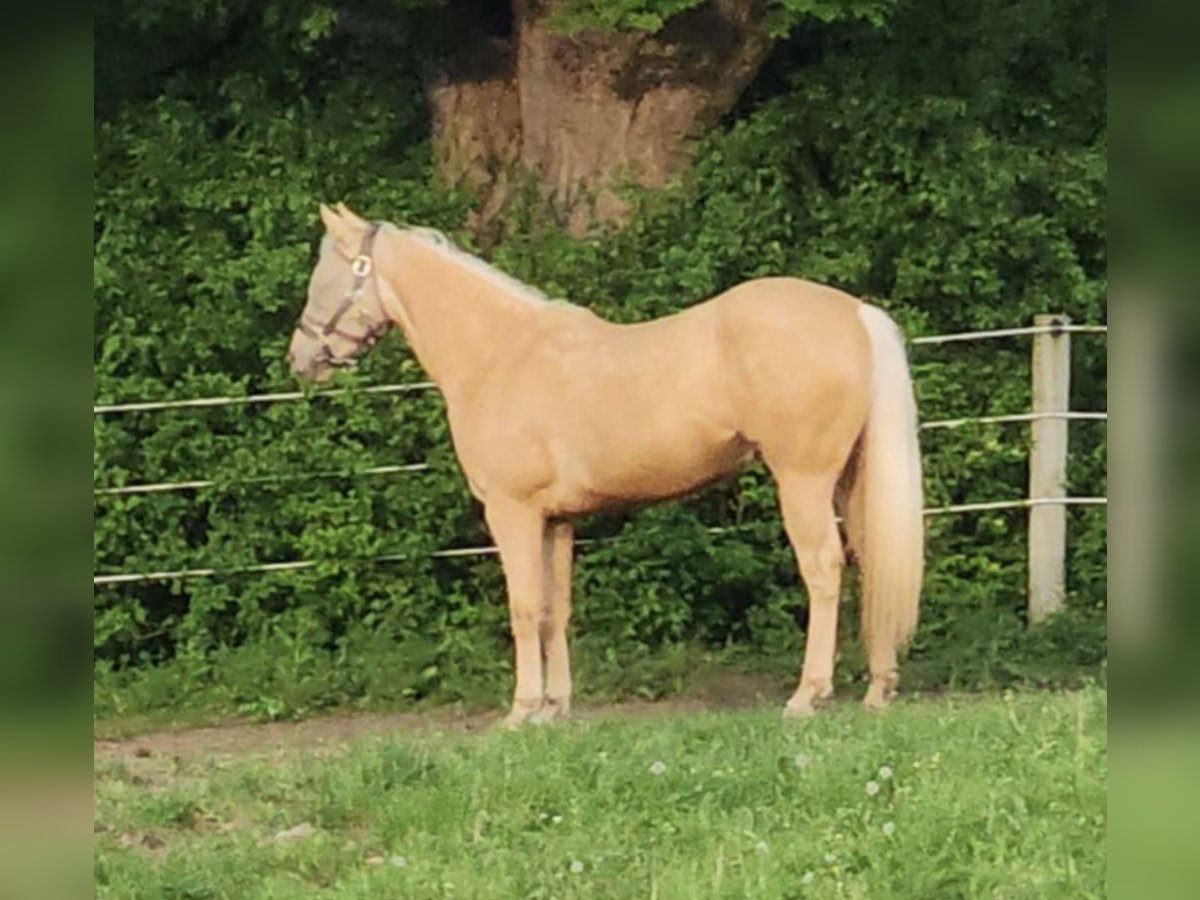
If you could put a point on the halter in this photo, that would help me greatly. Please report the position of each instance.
(362, 266)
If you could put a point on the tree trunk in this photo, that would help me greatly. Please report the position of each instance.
(588, 112)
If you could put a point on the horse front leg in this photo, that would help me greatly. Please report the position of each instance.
(522, 537)
(556, 615)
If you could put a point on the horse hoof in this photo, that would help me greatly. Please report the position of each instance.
(551, 711)
(876, 701)
(809, 697)
(517, 717)
(799, 710)
(880, 692)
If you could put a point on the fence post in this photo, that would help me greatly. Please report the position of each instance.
(1048, 468)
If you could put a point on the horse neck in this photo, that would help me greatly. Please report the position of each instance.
(458, 318)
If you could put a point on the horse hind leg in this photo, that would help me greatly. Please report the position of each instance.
(808, 516)
(881, 648)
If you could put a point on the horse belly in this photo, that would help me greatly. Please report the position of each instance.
(625, 467)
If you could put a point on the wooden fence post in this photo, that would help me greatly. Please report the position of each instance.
(1048, 468)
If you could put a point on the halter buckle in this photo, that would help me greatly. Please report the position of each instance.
(361, 266)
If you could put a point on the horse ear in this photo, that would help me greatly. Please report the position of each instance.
(328, 217)
(341, 230)
(347, 213)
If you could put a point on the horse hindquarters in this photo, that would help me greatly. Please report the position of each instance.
(803, 400)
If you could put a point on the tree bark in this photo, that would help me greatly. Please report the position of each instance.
(586, 113)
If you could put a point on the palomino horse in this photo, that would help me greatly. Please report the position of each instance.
(555, 412)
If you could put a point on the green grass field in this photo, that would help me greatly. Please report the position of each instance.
(971, 796)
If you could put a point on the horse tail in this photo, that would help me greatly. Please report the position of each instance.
(884, 516)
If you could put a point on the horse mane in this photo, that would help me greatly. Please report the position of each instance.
(440, 242)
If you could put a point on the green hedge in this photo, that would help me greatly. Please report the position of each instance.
(951, 166)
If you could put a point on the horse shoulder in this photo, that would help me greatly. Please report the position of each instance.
(498, 423)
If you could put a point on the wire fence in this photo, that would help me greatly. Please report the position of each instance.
(491, 550)
(199, 484)
(418, 387)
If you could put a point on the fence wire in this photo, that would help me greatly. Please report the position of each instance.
(199, 484)
(421, 386)
(455, 552)
(418, 387)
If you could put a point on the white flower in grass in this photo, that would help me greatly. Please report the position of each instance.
(800, 760)
(576, 867)
(398, 862)
(872, 788)
(761, 847)
(807, 877)
(556, 819)
(889, 828)
(830, 858)
(658, 767)
(303, 830)
(885, 773)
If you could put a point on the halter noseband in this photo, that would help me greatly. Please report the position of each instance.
(362, 266)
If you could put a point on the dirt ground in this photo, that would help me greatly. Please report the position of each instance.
(329, 733)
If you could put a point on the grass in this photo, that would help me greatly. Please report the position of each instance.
(988, 796)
